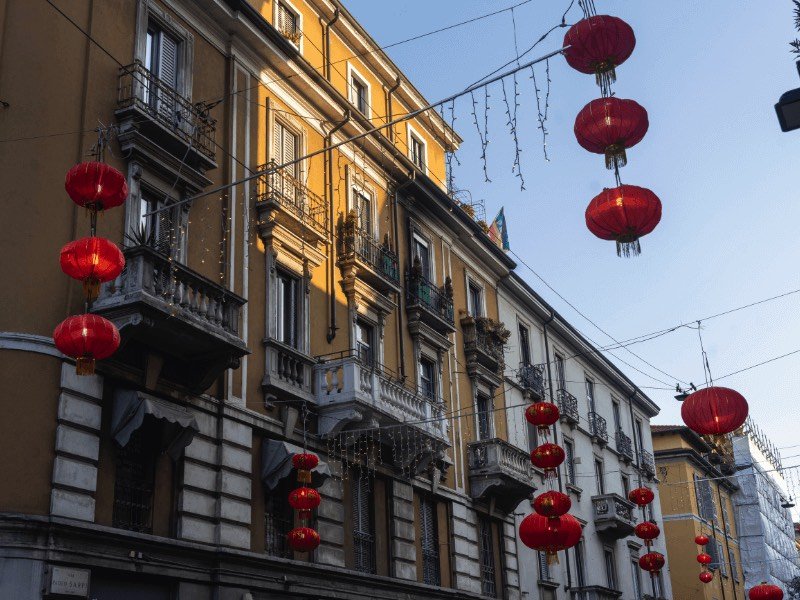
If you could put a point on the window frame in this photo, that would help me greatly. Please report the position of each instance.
(430, 551)
(433, 379)
(298, 15)
(600, 475)
(415, 138)
(353, 74)
(479, 414)
(559, 361)
(524, 334)
(419, 240)
(363, 324)
(569, 460)
(473, 285)
(610, 563)
(591, 392)
(281, 277)
(358, 502)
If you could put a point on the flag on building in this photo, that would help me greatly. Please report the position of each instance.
(498, 232)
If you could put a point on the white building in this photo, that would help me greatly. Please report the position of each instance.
(766, 532)
(605, 431)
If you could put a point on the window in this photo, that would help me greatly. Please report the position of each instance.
(636, 578)
(626, 485)
(486, 547)
(429, 541)
(611, 568)
(475, 299)
(561, 377)
(706, 507)
(421, 251)
(590, 394)
(134, 483)
(278, 519)
(286, 149)
(732, 559)
(544, 568)
(288, 23)
(363, 525)
(427, 377)
(416, 149)
(638, 434)
(714, 549)
(365, 336)
(484, 417)
(359, 92)
(569, 462)
(617, 415)
(524, 345)
(156, 229)
(599, 476)
(161, 54)
(533, 436)
(725, 517)
(363, 206)
(287, 309)
(580, 565)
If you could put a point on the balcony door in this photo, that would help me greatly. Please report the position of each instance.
(484, 408)
(561, 376)
(617, 416)
(161, 60)
(365, 343)
(286, 149)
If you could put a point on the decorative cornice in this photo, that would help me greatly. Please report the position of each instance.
(28, 342)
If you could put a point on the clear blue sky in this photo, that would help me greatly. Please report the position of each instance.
(709, 74)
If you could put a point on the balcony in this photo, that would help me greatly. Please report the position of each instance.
(350, 391)
(567, 407)
(624, 446)
(285, 201)
(531, 378)
(153, 115)
(613, 516)
(647, 464)
(484, 339)
(362, 256)
(594, 592)
(500, 472)
(289, 375)
(598, 429)
(429, 305)
(162, 308)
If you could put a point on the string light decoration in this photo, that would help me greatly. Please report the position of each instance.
(624, 214)
(765, 591)
(610, 126)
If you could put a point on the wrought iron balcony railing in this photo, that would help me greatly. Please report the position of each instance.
(568, 407)
(624, 445)
(531, 378)
(306, 209)
(141, 90)
(598, 427)
(436, 301)
(358, 244)
(646, 462)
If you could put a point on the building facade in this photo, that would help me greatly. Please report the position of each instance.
(697, 497)
(604, 428)
(344, 302)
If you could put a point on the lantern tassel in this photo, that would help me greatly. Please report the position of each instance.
(616, 157)
(552, 557)
(628, 248)
(605, 75)
(91, 287)
(84, 365)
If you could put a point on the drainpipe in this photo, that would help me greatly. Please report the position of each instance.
(327, 45)
(389, 95)
(328, 175)
(727, 544)
(635, 437)
(396, 219)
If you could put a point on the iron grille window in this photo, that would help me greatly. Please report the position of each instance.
(363, 525)
(429, 541)
(569, 451)
(705, 499)
(134, 483)
(484, 417)
(278, 521)
(488, 582)
(524, 345)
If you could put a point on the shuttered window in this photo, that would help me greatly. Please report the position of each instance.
(429, 541)
(363, 204)
(363, 525)
(544, 568)
(706, 506)
(288, 23)
(285, 147)
(161, 58)
(287, 309)
(734, 568)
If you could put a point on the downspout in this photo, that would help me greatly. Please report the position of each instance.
(327, 45)
(727, 544)
(635, 437)
(389, 117)
(396, 219)
(328, 175)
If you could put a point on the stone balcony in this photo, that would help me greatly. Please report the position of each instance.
(290, 373)
(174, 322)
(624, 446)
(531, 378)
(567, 408)
(598, 429)
(613, 515)
(363, 257)
(499, 472)
(594, 592)
(484, 339)
(428, 305)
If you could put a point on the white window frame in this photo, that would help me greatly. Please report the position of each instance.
(411, 132)
(298, 15)
(431, 357)
(353, 73)
(418, 237)
(474, 282)
(487, 393)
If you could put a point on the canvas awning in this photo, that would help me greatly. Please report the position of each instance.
(276, 464)
(131, 407)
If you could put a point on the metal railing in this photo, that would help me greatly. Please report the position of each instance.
(294, 196)
(567, 406)
(531, 378)
(624, 444)
(598, 427)
(646, 462)
(142, 90)
(480, 335)
(354, 241)
(420, 290)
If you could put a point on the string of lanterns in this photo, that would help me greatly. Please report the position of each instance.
(609, 125)
(765, 591)
(652, 562)
(304, 500)
(706, 576)
(92, 260)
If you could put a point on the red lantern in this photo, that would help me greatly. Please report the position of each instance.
(701, 540)
(550, 534)
(706, 576)
(647, 530)
(86, 338)
(704, 559)
(552, 504)
(624, 214)
(304, 498)
(641, 496)
(96, 185)
(93, 260)
(304, 463)
(714, 411)
(548, 457)
(303, 539)
(598, 45)
(609, 126)
(542, 414)
(652, 562)
(765, 591)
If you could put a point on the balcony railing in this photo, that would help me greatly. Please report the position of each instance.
(289, 373)
(496, 467)
(141, 90)
(531, 378)
(359, 245)
(306, 209)
(613, 515)
(594, 592)
(647, 463)
(436, 302)
(598, 428)
(624, 445)
(484, 340)
(567, 407)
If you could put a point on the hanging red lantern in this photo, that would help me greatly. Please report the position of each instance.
(706, 576)
(303, 539)
(641, 496)
(701, 540)
(704, 559)
(550, 534)
(86, 338)
(598, 45)
(96, 185)
(765, 591)
(624, 214)
(609, 126)
(305, 463)
(552, 504)
(647, 530)
(92, 260)
(548, 456)
(652, 562)
(542, 415)
(304, 498)
(714, 411)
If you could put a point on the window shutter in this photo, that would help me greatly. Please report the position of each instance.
(292, 312)
(168, 61)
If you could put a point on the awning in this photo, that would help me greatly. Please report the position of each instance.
(130, 409)
(276, 464)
